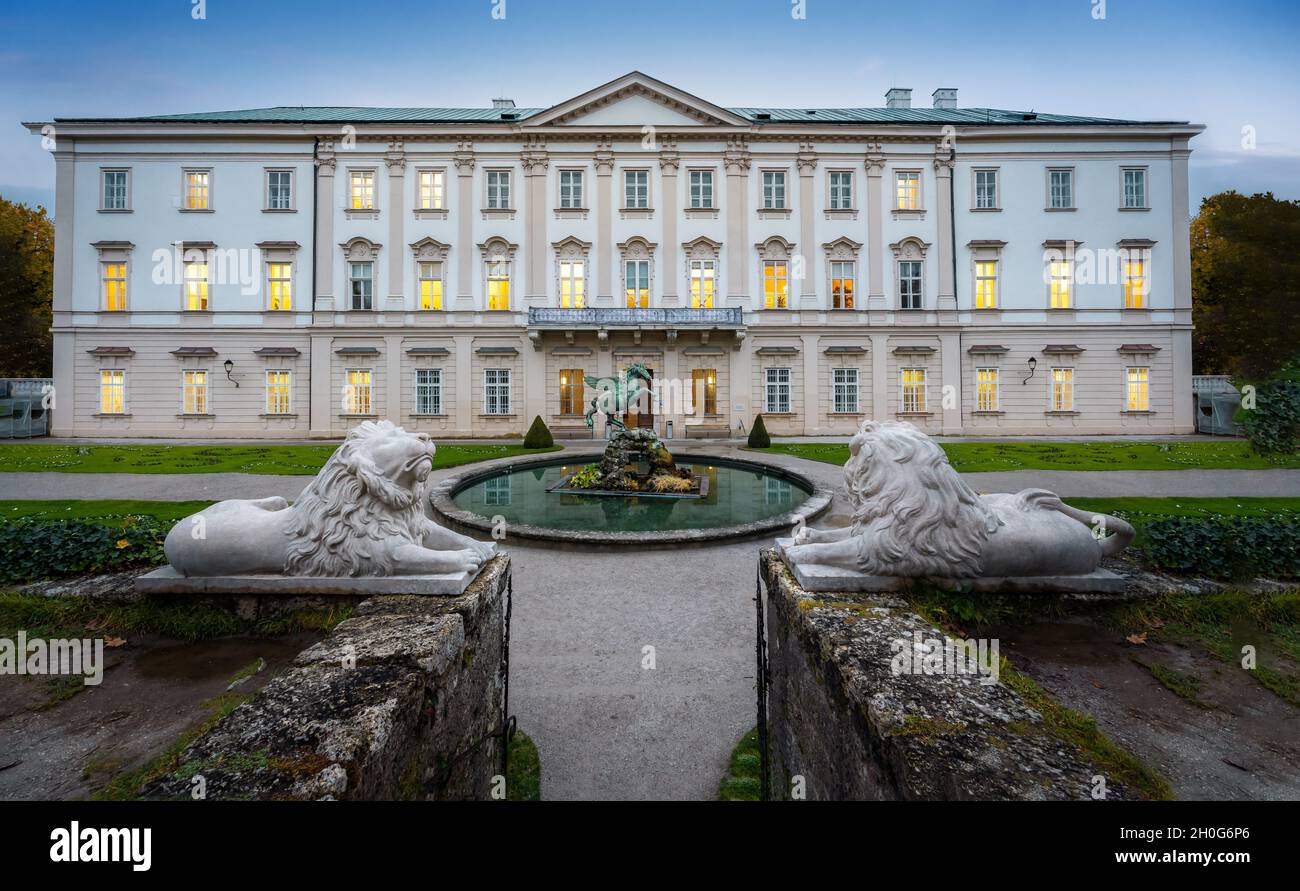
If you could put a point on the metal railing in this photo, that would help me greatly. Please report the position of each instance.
(22, 407)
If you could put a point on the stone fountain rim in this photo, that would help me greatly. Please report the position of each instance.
(445, 508)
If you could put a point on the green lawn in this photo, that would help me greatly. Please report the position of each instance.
(975, 457)
(1142, 511)
(287, 460)
(108, 510)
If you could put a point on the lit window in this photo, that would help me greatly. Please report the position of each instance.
(844, 390)
(573, 284)
(114, 275)
(361, 285)
(279, 278)
(636, 189)
(498, 189)
(115, 190)
(842, 284)
(1062, 389)
(777, 399)
(198, 190)
(1060, 189)
(986, 284)
(428, 391)
(841, 188)
(279, 190)
(986, 189)
(1139, 389)
(704, 391)
(702, 279)
(1135, 283)
(430, 275)
(909, 284)
(702, 189)
(915, 398)
(498, 284)
(196, 285)
(1135, 187)
(986, 389)
(571, 396)
(1061, 274)
(773, 189)
(776, 284)
(361, 187)
(907, 185)
(278, 390)
(570, 189)
(431, 187)
(496, 391)
(112, 391)
(357, 391)
(637, 283)
(194, 392)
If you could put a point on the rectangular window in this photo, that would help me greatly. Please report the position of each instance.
(907, 187)
(909, 284)
(1135, 187)
(1061, 275)
(986, 284)
(843, 284)
(361, 285)
(570, 189)
(196, 285)
(1135, 283)
(279, 283)
(774, 190)
(358, 391)
(1139, 380)
(776, 284)
(841, 188)
(361, 189)
(112, 391)
(278, 392)
(198, 190)
(428, 391)
(571, 395)
(573, 284)
(702, 189)
(430, 281)
(498, 189)
(914, 396)
(636, 189)
(986, 189)
(986, 389)
(432, 190)
(114, 277)
(115, 195)
(1062, 389)
(498, 284)
(1060, 189)
(496, 391)
(279, 190)
(702, 280)
(636, 274)
(194, 392)
(844, 390)
(777, 399)
(704, 391)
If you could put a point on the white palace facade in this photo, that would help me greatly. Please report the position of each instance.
(283, 273)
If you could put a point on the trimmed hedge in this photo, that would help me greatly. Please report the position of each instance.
(1274, 425)
(758, 438)
(41, 549)
(1231, 548)
(539, 435)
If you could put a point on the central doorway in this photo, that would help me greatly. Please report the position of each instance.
(640, 410)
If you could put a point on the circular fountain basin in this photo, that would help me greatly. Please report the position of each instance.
(742, 499)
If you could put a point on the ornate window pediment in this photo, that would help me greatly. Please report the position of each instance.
(842, 248)
(360, 248)
(909, 248)
(775, 248)
(702, 248)
(429, 249)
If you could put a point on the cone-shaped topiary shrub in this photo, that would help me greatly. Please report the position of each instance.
(758, 438)
(539, 435)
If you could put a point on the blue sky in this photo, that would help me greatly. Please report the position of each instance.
(1225, 64)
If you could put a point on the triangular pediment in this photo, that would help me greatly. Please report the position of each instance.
(636, 100)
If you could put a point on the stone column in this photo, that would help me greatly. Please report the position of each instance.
(396, 210)
(669, 276)
(950, 357)
(807, 161)
(325, 247)
(880, 377)
(535, 166)
(604, 224)
(464, 248)
(323, 403)
(737, 160)
(62, 416)
(943, 165)
(877, 305)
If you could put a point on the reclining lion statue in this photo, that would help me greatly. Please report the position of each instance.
(914, 516)
(363, 515)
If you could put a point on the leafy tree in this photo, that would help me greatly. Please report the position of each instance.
(26, 290)
(1245, 285)
(758, 438)
(539, 435)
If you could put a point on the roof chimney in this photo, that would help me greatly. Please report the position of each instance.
(945, 97)
(503, 103)
(898, 97)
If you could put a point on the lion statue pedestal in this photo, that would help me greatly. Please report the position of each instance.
(915, 521)
(360, 527)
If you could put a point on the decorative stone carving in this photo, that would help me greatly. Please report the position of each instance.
(915, 519)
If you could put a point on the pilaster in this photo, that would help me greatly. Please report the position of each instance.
(396, 161)
(944, 161)
(536, 163)
(604, 159)
(738, 160)
(876, 303)
(464, 159)
(807, 161)
(324, 297)
(669, 275)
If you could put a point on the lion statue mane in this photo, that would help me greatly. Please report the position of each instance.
(914, 516)
(363, 515)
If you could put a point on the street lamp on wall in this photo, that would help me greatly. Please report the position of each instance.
(230, 366)
(1033, 364)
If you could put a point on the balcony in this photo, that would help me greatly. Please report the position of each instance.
(612, 317)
